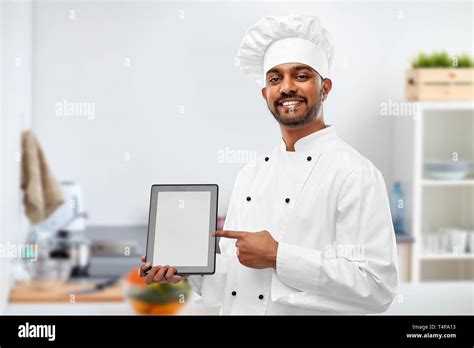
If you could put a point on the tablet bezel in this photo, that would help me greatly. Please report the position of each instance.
(214, 190)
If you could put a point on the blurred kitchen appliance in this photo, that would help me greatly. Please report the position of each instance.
(67, 226)
(76, 248)
(112, 247)
(71, 214)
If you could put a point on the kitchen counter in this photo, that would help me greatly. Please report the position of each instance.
(97, 308)
(423, 298)
(447, 298)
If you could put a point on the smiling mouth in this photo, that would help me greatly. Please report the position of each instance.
(290, 104)
(287, 102)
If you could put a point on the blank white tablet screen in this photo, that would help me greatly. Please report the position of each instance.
(182, 228)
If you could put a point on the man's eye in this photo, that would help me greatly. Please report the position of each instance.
(273, 79)
(301, 76)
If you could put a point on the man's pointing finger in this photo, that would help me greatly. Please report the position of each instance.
(228, 234)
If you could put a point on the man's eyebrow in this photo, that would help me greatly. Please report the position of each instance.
(292, 69)
(271, 71)
(302, 67)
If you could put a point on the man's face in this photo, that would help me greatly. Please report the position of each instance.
(294, 94)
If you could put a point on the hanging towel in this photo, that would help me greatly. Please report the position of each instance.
(42, 192)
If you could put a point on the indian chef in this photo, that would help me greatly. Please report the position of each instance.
(308, 228)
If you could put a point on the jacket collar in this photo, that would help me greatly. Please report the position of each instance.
(313, 141)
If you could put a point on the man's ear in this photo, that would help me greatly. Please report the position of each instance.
(327, 86)
(264, 93)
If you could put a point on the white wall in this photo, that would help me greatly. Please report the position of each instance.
(176, 61)
(15, 103)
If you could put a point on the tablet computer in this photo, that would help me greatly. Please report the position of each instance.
(181, 221)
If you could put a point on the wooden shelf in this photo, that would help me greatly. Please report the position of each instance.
(447, 105)
(461, 257)
(434, 182)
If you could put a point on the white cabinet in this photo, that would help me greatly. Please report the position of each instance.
(436, 131)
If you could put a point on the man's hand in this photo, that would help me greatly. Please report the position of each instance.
(255, 250)
(159, 274)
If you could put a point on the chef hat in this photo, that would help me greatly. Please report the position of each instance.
(288, 39)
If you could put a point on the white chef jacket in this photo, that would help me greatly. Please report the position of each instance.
(327, 206)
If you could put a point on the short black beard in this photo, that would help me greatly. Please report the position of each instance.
(309, 117)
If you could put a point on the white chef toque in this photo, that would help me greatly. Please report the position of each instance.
(289, 39)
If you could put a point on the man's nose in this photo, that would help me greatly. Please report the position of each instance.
(288, 86)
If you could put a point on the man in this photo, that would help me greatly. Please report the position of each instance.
(308, 230)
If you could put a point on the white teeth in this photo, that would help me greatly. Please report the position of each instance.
(292, 102)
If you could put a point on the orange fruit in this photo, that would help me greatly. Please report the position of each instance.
(133, 277)
(166, 309)
(140, 307)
